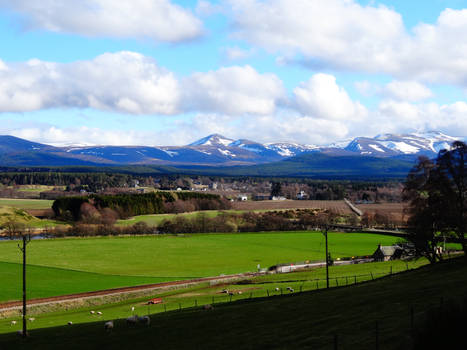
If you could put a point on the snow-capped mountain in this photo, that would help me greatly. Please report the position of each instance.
(388, 145)
(217, 150)
(290, 149)
(212, 140)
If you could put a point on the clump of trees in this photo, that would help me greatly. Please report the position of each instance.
(437, 195)
(288, 220)
(94, 207)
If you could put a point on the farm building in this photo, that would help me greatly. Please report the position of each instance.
(398, 251)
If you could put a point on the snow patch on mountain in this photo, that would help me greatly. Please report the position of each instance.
(377, 148)
(402, 147)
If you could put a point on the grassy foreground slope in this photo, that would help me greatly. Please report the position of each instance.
(49, 281)
(196, 255)
(307, 320)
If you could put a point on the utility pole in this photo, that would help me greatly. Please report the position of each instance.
(26, 240)
(327, 256)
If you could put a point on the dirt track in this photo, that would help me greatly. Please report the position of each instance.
(59, 298)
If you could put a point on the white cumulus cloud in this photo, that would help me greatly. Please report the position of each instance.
(321, 97)
(233, 90)
(160, 20)
(407, 91)
(343, 34)
(123, 82)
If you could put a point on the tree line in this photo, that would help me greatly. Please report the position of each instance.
(124, 205)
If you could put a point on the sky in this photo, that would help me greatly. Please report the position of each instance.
(168, 72)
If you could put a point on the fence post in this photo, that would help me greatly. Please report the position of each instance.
(251, 295)
(371, 273)
(196, 302)
(355, 279)
(317, 285)
(376, 336)
(165, 308)
(391, 271)
(267, 291)
(337, 283)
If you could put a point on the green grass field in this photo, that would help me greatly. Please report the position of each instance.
(156, 219)
(76, 264)
(299, 321)
(49, 281)
(26, 203)
(257, 287)
(195, 255)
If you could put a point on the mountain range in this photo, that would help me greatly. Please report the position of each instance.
(217, 151)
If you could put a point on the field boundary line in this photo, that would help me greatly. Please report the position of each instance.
(16, 305)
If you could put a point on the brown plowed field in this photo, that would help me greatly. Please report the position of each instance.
(393, 210)
(337, 206)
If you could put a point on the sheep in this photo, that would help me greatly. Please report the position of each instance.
(99, 313)
(132, 308)
(92, 312)
(109, 325)
(32, 319)
(225, 291)
(240, 292)
(277, 289)
(132, 320)
(208, 307)
(144, 320)
(12, 323)
(291, 290)
(69, 323)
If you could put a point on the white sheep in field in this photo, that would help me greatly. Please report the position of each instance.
(92, 312)
(12, 323)
(277, 289)
(291, 290)
(240, 292)
(132, 320)
(144, 320)
(32, 319)
(69, 323)
(99, 313)
(109, 325)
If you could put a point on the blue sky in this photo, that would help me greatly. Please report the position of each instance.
(167, 72)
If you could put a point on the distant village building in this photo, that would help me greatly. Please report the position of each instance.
(278, 198)
(302, 195)
(261, 197)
